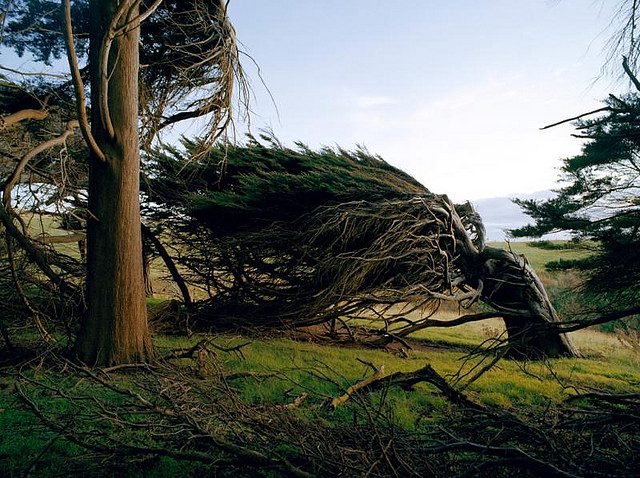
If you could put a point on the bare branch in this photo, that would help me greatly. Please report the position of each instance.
(31, 73)
(632, 77)
(15, 176)
(568, 120)
(14, 118)
(79, 85)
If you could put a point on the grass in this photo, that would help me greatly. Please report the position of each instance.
(538, 257)
(326, 371)
(301, 366)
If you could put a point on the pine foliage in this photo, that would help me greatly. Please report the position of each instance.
(600, 200)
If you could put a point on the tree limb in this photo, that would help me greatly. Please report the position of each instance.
(627, 70)
(171, 266)
(599, 110)
(15, 176)
(572, 326)
(14, 118)
(79, 85)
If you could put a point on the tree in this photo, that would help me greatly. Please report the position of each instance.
(298, 237)
(176, 41)
(116, 328)
(600, 201)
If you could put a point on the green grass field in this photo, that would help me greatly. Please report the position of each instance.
(538, 257)
(299, 367)
(291, 367)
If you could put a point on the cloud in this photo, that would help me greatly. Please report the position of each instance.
(372, 101)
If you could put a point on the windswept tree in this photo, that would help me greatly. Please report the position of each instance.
(294, 237)
(138, 59)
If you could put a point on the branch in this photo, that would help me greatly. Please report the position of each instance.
(464, 319)
(171, 266)
(572, 326)
(599, 110)
(35, 253)
(627, 70)
(31, 73)
(15, 176)
(377, 375)
(541, 468)
(105, 50)
(9, 120)
(137, 20)
(407, 380)
(78, 85)
(64, 239)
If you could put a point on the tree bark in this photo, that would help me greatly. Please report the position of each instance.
(115, 330)
(511, 286)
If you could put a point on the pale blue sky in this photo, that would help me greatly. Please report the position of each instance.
(451, 91)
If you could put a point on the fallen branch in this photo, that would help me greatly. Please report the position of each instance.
(407, 380)
(204, 344)
(379, 372)
(295, 404)
(14, 118)
(248, 374)
(171, 266)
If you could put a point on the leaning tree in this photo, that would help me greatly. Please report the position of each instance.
(296, 237)
(138, 59)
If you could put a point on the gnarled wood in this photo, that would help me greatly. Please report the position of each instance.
(9, 120)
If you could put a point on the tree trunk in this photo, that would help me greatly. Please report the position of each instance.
(511, 286)
(115, 329)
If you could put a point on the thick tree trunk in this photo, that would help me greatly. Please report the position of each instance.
(115, 330)
(512, 287)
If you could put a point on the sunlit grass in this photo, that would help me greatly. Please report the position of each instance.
(325, 371)
(538, 257)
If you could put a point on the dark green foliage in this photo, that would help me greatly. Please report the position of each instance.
(181, 41)
(600, 200)
(36, 26)
(555, 245)
(299, 236)
(266, 182)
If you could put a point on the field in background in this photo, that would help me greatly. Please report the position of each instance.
(538, 257)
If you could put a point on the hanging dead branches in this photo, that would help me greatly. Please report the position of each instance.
(36, 185)
(364, 260)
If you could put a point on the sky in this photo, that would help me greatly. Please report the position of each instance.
(453, 92)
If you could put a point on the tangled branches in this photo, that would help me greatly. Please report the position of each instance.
(355, 257)
(203, 420)
(41, 181)
(299, 238)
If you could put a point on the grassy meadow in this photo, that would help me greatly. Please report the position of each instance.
(273, 371)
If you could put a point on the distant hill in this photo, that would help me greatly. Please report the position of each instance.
(500, 214)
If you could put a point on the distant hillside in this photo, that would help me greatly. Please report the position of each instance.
(501, 214)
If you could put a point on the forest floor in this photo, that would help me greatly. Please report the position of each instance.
(274, 372)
